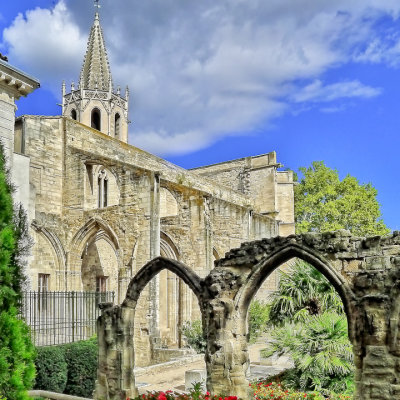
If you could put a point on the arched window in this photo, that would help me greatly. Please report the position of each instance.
(96, 119)
(73, 114)
(117, 122)
(102, 187)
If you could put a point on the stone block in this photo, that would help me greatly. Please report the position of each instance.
(193, 376)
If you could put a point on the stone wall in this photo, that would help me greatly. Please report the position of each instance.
(152, 206)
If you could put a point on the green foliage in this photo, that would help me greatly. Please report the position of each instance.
(302, 291)
(70, 368)
(323, 203)
(258, 319)
(321, 351)
(81, 358)
(51, 369)
(16, 350)
(193, 333)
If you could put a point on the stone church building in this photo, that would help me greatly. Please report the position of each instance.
(101, 208)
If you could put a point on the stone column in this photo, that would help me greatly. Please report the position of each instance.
(208, 233)
(154, 252)
(226, 352)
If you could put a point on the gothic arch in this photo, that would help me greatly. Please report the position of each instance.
(50, 259)
(270, 263)
(168, 247)
(151, 269)
(94, 228)
(55, 242)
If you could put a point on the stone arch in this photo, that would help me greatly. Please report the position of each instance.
(115, 378)
(95, 229)
(54, 245)
(288, 251)
(151, 269)
(168, 248)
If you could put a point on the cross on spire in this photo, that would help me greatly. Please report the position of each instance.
(96, 4)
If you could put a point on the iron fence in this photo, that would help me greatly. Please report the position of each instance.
(62, 317)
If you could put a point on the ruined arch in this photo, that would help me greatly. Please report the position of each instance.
(151, 269)
(279, 256)
(116, 330)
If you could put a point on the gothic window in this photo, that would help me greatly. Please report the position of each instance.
(96, 119)
(73, 114)
(101, 284)
(102, 186)
(43, 282)
(117, 123)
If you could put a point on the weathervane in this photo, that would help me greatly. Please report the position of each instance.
(96, 4)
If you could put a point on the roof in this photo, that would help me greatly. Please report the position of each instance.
(96, 73)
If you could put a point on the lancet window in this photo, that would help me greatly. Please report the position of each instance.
(102, 186)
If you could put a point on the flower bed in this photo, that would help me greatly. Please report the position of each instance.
(275, 391)
(262, 391)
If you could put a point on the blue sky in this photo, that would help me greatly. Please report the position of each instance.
(213, 81)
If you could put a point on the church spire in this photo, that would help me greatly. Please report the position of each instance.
(96, 73)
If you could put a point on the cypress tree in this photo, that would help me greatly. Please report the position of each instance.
(16, 350)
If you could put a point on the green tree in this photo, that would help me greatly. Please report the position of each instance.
(323, 203)
(16, 350)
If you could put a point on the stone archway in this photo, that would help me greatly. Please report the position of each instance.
(364, 271)
(115, 330)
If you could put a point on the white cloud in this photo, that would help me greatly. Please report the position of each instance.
(202, 70)
(47, 43)
(317, 92)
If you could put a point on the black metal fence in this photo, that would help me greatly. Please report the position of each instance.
(62, 317)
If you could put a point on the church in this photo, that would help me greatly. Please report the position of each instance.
(100, 208)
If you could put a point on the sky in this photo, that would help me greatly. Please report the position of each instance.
(217, 80)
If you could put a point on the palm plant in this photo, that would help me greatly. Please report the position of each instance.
(321, 352)
(302, 291)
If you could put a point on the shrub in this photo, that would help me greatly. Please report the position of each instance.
(193, 333)
(258, 319)
(51, 369)
(81, 358)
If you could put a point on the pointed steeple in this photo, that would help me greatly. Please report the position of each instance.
(96, 73)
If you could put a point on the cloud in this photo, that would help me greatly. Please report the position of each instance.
(47, 43)
(317, 92)
(199, 71)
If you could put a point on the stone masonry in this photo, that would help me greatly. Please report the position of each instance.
(364, 271)
(100, 208)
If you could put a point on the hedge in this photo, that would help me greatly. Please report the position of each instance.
(70, 368)
(51, 369)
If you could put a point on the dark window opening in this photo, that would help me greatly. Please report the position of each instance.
(117, 122)
(105, 189)
(73, 114)
(96, 119)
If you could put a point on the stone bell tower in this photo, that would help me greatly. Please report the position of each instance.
(94, 102)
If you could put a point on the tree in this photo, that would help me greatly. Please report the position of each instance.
(16, 350)
(323, 203)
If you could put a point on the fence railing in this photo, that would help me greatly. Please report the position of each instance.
(62, 317)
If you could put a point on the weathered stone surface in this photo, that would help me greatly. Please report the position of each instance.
(370, 296)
